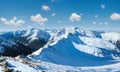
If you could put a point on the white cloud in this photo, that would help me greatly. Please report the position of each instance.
(39, 19)
(115, 16)
(14, 21)
(100, 23)
(53, 14)
(74, 17)
(104, 23)
(45, 7)
(102, 6)
(94, 22)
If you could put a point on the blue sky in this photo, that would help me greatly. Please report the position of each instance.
(85, 14)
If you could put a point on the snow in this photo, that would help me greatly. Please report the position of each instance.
(71, 50)
(50, 67)
(111, 36)
(1, 69)
(106, 68)
(39, 66)
(30, 35)
(27, 33)
(17, 66)
(97, 42)
(88, 49)
(87, 33)
(35, 34)
(75, 48)
(6, 42)
(1, 49)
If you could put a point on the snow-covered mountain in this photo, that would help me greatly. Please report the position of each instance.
(75, 48)
(72, 46)
(34, 38)
(24, 41)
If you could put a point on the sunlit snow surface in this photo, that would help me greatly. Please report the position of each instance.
(40, 66)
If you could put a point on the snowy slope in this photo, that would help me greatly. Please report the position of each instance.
(75, 47)
(18, 66)
(6, 42)
(97, 42)
(27, 65)
(111, 36)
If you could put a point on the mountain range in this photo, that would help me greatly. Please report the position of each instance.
(66, 46)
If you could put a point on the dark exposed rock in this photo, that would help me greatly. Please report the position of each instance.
(8, 70)
(2, 59)
(118, 42)
(17, 50)
(22, 48)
